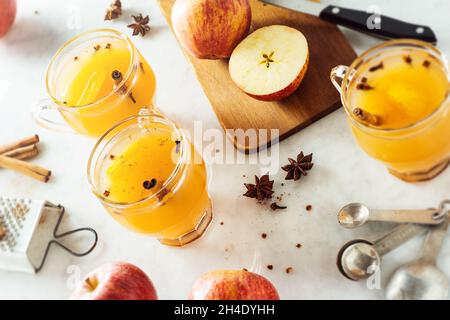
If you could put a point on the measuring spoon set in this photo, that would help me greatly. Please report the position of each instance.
(421, 279)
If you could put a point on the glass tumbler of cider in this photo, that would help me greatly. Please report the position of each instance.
(95, 80)
(151, 179)
(396, 96)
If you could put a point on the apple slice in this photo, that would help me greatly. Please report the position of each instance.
(270, 63)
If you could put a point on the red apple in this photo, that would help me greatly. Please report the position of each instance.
(211, 29)
(116, 281)
(233, 285)
(7, 15)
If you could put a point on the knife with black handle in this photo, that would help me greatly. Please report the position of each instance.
(373, 24)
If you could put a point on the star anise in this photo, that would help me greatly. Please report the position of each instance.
(295, 169)
(262, 189)
(114, 10)
(140, 26)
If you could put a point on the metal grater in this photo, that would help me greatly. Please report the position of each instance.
(28, 228)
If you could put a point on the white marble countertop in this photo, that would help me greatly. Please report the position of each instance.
(342, 172)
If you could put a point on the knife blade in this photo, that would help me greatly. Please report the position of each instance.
(373, 24)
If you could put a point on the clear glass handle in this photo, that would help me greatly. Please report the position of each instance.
(40, 114)
(337, 75)
(144, 116)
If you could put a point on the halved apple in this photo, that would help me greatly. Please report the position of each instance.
(270, 63)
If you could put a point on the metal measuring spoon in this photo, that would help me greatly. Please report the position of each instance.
(359, 259)
(356, 214)
(422, 279)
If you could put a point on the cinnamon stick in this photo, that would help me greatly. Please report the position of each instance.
(23, 153)
(366, 117)
(117, 77)
(28, 169)
(27, 155)
(20, 143)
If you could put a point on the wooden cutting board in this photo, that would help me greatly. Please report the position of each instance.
(315, 98)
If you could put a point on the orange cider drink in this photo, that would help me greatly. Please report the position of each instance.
(98, 79)
(151, 179)
(396, 98)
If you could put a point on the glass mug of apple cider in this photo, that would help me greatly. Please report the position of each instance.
(96, 80)
(396, 96)
(151, 179)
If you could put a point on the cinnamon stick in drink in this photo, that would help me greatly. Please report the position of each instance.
(366, 117)
(117, 77)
